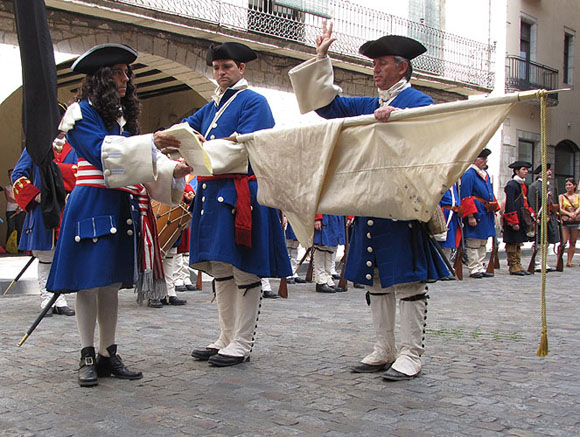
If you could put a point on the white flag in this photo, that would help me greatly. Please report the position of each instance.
(357, 166)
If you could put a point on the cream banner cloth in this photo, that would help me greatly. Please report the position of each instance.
(357, 166)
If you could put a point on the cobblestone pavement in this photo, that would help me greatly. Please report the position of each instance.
(481, 375)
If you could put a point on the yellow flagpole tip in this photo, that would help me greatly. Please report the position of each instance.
(21, 342)
(9, 287)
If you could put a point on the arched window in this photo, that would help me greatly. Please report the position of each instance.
(566, 163)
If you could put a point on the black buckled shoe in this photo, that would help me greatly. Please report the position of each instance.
(113, 366)
(173, 300)
(519, 273)
(269, 294)
(357, 285)
(323, 288)
(339, 289)
(154, 303)
(226, 360)
(299, 280)
(204, 354)
(63, 311)
(87, 375)
(191, 287)
(290, 281)
(368, 368)
(487, 275)
(180, 288)
(394, 375)
(476, 275)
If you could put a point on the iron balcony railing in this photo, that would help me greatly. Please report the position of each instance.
(523, 74)
(449, 56)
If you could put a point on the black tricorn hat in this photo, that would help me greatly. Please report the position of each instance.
(519, 164)
(538, 169)
(104, 55)
(230, 50)
(392, 45)
(484, 153)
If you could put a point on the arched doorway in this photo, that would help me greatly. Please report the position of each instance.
(566, 163)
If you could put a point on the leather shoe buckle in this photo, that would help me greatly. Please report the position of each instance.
(89, 361)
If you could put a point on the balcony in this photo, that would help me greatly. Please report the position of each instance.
(449, 57)
(523, 75)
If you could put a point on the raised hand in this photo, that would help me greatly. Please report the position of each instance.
(324, 41)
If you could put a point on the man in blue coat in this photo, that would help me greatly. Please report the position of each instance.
(479, 206)
(394, 259)
(233, 238)
(36, 238)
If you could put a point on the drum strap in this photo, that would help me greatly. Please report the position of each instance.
(151, 275)
(243, 220)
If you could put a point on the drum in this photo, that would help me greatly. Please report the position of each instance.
(171, 222)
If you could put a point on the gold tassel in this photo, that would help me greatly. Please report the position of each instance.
(543, 349)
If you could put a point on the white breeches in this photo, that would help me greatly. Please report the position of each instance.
(170, 268)
(476, 250)
(238, 309)
(412, 312)
(322, 264)
(292, 246)
(182, 273)
(44, 263)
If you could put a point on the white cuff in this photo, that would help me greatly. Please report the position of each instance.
(71, 116)
(166, 189)
(313, 84)
(226, 156)
(128, 160)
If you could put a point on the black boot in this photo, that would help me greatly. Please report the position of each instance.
(87, 368)
(113, 366)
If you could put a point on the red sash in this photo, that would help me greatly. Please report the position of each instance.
(243, 219)
(149, 256)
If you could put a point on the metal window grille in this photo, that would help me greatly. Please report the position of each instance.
(448, 56)
(314, 7)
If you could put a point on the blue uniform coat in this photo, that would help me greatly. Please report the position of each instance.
(104, 219)
(212, 225)
(474, 185)
(332, 232)
(35, 236)
(399, 249)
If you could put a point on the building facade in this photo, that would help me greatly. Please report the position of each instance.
(541, 52)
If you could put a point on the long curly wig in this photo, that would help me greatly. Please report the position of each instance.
(99, 87)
